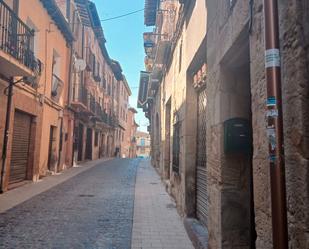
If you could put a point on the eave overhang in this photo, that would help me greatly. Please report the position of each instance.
(149, 43)
(83, 11)
(150, 12)
(155, 77)
(132, 110)
(125, 82)
(143, 89)
(60, 21)
(162, 51)
(98, 30)
(117, 70)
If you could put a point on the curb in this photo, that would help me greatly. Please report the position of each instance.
(197, 233)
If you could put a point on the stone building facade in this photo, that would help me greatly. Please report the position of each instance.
(34, 58)
(121, 108)
(143, 144)
(209, 83)
(130, 135)
(92, 91)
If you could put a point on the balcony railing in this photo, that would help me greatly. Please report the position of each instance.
(106, 118)
(82, 95)
(16, 38)
(90, 58)
(92, 104)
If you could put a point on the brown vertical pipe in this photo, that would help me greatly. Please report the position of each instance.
(275, 126)
(6, 132)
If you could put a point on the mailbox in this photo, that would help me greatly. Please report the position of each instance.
(237, 136)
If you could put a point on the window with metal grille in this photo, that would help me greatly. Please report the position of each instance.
(176, 147)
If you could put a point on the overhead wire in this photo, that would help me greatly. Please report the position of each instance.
(124, 15)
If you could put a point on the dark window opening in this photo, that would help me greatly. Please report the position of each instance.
(96, 139)
(176, 147)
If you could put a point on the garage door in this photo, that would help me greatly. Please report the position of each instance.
(20, 147)
(201, 172)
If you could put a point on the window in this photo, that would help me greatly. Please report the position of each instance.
(142, 141)
(33, 42)
(104, 82)
(93, 64)
(96, 138)
(176, 147)
(57, 84)
(98, 69)
(180, 56)
(56, 67)
(109, 89)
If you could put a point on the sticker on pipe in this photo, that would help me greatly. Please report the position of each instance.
(271, 133)
(273, 113)
(272, 58)
(271, 101)
(272, 158)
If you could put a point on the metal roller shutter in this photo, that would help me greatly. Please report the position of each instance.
(20, 147)
(201, 172)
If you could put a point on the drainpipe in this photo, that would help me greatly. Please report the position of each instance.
(275, 126)
(6, 132)
(70, 81)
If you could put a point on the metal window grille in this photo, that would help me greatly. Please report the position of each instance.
(176, 147)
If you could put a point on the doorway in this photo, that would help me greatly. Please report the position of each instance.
(238, 219)
(20, 147)
(89, 144)
(167, 152)
(201, 170)
(80, 142)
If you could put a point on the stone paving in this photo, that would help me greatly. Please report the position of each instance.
(157, 224)
(106, 205)
(18, 195)
(91, 210)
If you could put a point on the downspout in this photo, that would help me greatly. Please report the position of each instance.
(275, 126)
(6, 132)
(70, 83)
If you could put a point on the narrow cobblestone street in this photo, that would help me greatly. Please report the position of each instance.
(94, 209)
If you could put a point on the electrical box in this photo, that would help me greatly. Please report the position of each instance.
(237, 136)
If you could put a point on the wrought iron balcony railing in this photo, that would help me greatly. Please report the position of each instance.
(92, 104)
(16, 38)
(82, 95)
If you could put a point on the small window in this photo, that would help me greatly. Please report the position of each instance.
(176, 147)
(180, 56)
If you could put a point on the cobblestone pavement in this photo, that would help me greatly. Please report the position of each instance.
(157, 224)
(91, 210)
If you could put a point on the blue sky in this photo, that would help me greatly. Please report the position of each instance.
(125, 42)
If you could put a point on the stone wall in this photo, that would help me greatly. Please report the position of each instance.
(294, 32)
(223, 31)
